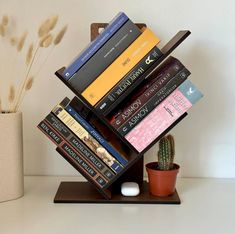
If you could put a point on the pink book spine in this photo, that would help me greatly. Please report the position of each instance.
(158, 120)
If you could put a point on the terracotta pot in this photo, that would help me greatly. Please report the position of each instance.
(161, 183)
(11, 156)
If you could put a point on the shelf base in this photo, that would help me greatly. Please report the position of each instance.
(83, 192)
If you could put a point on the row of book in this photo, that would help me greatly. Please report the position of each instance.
(81, 144)
(120, 53)
(113, 63)
(108, 69)
(155, 105)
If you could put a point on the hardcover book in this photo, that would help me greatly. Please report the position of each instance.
(128, 80)
(95, 45)
(148, 89)
(104, 56)
(155, 100)
(120, 67)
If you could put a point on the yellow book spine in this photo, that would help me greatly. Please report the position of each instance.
(120, 67)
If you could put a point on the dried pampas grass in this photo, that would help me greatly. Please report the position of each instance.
(29, 83)
(11, 94)
(53, 22)
(21, 42)
(60, 35)
(47, 26)
(29, 54)
(45, 39)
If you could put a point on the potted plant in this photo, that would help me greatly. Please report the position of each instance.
(162, 174)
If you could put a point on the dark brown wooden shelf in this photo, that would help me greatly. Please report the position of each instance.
(83, 192)
(88, 192)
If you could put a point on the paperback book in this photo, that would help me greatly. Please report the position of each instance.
(78, 146)
(86, 170)
(86, 137)
(164, 115)
(148, 89)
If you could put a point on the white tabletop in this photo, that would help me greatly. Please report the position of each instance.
(208, 206)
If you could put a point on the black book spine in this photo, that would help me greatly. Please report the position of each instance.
(71, 155)
(104, 56)
(79, 146)
(129, 79)
(165, 91)
(153, 84)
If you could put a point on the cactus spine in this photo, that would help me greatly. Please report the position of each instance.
(166, 153)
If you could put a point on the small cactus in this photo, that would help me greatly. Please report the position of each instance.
(166, 153)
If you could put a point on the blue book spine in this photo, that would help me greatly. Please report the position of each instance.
(96, 135)
(95, 45)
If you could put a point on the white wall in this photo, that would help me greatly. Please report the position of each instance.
(205, 140)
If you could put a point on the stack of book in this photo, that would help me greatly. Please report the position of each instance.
(129, 93)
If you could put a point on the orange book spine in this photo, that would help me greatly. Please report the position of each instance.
(120, 67)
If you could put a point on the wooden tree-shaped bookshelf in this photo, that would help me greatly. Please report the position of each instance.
(84, 192)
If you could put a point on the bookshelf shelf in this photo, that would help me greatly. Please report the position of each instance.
(83, 192)
(89, 192)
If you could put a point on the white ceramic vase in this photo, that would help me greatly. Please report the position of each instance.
(11, 156)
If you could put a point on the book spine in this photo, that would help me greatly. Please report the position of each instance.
(164, 115)
(120, 67)
(78, 146)
(87, 138)
(153, 85)
(129, 79)
(154, 101)
(96, 135)
(95, 45)
(104, 56)
(81, 165)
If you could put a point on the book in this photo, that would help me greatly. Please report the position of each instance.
(96, 135)
(83, 166)
(149, 87)
(164, 115)
(104, 56)
(95, 45)
(78, 145)
(128, 80)
(87, 138)
(155, 100)
(120, 67)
